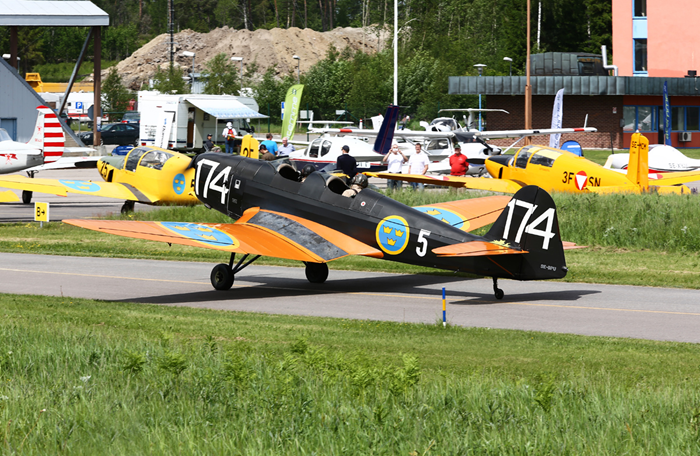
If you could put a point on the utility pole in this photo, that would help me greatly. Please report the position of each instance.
(171, 27)
(528, 87)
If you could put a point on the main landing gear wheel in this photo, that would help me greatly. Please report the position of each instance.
(497, 291)
(223, 274)
(316, 272)
(127, 207)
(222, 277)
(27, 196)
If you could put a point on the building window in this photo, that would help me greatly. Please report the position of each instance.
(678, 118)
(642, 118)
(692, 118)
(640, 56)
(640, 8)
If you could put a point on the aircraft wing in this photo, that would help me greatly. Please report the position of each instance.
(62, 187)
(8, 197)
(521, 133)
(475, 183)
(258, 232)
(473, 213)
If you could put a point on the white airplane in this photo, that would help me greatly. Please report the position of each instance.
(662, 159)
(43, 151)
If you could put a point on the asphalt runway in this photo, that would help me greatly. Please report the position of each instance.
(587, 309)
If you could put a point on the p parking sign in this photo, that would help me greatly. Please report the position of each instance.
(41, 212)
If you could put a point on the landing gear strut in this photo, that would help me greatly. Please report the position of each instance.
(223, 275)
(316, 272)
(497, 291)
(127, 207)
(26, 194)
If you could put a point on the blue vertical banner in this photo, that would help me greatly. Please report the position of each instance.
(667, 116)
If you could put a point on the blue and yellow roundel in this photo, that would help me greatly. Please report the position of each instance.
(392, 234)
(201, 233)
(447, 216)
(179, 184)
(83, 186)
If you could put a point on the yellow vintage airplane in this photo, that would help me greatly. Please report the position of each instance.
(148, 175)
(561, 171)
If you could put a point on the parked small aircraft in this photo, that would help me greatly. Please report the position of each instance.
(43, 151)
(148, 175)
(559, 170)
(311, 221)
(662, 159)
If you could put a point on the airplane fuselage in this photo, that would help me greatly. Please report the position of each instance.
(16, 157)
(232, 185)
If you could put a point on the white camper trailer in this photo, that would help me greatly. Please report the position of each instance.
(183, 121)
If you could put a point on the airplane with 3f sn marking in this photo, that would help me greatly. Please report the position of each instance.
(563, 171)
(312, 222)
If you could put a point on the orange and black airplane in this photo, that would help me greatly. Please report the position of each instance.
(311, 221)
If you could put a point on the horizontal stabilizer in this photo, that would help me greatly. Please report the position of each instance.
(475, 212)
(475, 248)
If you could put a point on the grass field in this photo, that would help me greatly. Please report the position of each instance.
(88, 377)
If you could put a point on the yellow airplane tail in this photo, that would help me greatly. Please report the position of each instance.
(638, 167)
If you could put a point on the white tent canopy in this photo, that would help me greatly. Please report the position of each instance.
(225, 109)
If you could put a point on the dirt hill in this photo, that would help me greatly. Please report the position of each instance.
(267, 48)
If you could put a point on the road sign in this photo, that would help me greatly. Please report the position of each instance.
(78, 105)
(41, 212)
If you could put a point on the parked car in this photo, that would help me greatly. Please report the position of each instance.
(132, 117)
(119, 134)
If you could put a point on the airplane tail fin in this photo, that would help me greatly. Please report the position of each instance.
(529, 223)
(48, 135)
(638, 165)
(386, 132)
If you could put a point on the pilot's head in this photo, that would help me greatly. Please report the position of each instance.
(306, 170)
(360, 180)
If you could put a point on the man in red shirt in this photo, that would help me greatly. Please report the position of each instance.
(458, 162)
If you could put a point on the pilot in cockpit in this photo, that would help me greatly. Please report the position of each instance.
(358, 183)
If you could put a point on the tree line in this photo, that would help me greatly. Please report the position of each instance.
(437, 39)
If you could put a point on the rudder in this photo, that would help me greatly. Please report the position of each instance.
(529, 222)
(48, 135)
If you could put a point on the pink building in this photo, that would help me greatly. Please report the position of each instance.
(656, 38)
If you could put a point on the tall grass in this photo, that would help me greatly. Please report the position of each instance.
(84, 377)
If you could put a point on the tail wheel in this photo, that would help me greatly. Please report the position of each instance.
(127, 207)
(27, 196)
(316, 272)
(497, 291)
(222, 277)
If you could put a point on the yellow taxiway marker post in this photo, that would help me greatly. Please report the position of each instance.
(41, 213)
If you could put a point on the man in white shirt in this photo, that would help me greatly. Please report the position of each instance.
(285, 149)
(394, 160)
(418, 164)
(229, 135)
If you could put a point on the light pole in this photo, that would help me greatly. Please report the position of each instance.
(480, 67)
(296, 57)
(510, 65)
(190, 54)
(240, 75)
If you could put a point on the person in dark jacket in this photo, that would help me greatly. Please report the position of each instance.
(347, 164)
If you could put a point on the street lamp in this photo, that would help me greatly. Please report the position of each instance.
(296, 57)
(480, 67)
(240, 76)
(190, 54)
(510, 65)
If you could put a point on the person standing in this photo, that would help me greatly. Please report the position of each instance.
(394, 160)
(458, 162)
(347, 164)
(285, 149)
(418, 164)
(229, 135)
(270, 144)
